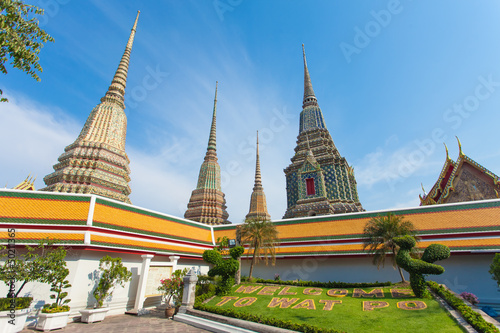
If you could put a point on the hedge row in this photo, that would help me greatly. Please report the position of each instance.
(306, 328)
(20, 303)
(472, 317)
(318, 284)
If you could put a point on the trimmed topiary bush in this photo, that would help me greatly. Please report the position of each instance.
(225, 268)
(418, 267)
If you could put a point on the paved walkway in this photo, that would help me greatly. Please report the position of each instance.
(155, 321)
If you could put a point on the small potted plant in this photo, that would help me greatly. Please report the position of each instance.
(112, 273)
(55, 315)
(171, 289)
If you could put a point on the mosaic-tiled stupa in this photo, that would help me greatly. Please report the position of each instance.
(258, 205)
(319, 181)
(207, 203)
(96, 162)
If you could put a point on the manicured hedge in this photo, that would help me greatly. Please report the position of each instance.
(306, 328)
(21, 303)
(328, 284)
(472, 317)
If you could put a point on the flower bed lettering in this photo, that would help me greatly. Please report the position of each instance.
(326, 304)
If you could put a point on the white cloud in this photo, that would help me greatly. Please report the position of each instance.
(32, 136)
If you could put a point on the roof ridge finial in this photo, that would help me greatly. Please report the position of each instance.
(460, 152)
(116, 91)
(446, 148)
(212, 141)
(309, 97)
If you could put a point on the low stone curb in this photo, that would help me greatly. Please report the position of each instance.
(247, 325)
(454, 313)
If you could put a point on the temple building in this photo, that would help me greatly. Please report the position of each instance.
(462, 180)
(26, 185)
(319, 181)
(258, 205)
(96, 163)
(207, 203)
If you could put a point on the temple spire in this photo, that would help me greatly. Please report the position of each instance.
(258, 205)
(212, 141)
(207, 203)
(116, 91)
(309, 97)
(96, 163)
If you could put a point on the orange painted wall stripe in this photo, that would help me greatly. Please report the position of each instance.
(429, 221)
(21, 235)
(142, 244)
(124, 218)
(359, 247)
(43, 209)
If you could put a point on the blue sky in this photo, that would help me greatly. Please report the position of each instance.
(394, 79)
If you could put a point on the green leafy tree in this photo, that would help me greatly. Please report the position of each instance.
(262, 237)
(39, 264)
(495, 269)
(113, 273)
(21, 39)
(378, 238)
(59, 283)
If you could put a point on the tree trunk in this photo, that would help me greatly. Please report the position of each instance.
(237, 278)
(254, 258)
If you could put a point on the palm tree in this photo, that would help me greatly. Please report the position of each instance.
(378, 235)
(262, 237)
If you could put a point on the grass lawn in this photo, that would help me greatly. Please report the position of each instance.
(350, 310)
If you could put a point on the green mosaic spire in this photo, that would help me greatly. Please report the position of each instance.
(319, 180)
(207, 203)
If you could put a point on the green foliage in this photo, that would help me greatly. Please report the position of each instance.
(495, 269)
(222, 245)
(58, 285)
(262, 238)
(378, 237)
(54, 308)
(264, 320)
(418, 267)
(172, 287)
(39, 264)
(471, 316)
(328, 284)
(113, 273)
(21, 303)
(225, 268)
(21, 39)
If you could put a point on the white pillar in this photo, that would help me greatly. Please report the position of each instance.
(141, 288)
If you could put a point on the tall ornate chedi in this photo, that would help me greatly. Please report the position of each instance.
(318, 181)
(207, 203)
(96, 162)
(258, 206)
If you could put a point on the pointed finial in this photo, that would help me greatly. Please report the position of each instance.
(309, 97)
(460, 153)
(116, 90)
(421, 184)
(446, 148)
(258, 176)
(212, 142)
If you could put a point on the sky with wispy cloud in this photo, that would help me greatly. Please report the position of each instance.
(394, 79)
